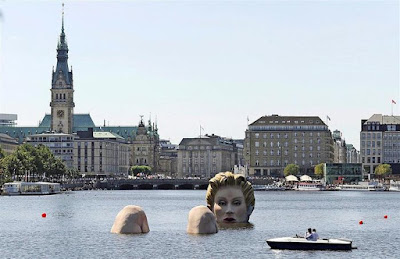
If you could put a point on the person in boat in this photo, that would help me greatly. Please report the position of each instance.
(308, 234)
(315, 235)
(230, 199)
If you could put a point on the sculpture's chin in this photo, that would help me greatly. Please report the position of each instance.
(235, 225)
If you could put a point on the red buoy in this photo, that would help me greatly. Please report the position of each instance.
(44, 215)
(361, 222)
(385, 217)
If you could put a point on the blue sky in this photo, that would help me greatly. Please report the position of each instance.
(209, 63)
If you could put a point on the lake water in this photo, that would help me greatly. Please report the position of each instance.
(78, 225)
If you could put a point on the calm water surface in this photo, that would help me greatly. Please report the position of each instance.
(78, 225)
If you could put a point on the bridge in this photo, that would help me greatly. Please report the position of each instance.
(154, 184)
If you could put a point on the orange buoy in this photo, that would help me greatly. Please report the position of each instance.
(361, 222)
(385, 217)
(44, 215)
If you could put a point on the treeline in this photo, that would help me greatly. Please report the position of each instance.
(27, 161)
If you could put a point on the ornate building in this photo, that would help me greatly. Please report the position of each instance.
(146, 147)
(62, 91)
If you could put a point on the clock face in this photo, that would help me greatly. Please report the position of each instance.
(60, 113)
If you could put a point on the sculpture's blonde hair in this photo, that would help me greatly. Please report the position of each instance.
(230, 179)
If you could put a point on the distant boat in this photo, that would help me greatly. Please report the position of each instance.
(268, 188)
(304, 186)
(300, 243)
(31, 188)
(362, 186)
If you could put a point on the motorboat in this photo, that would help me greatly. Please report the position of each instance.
(30, 188)
(301, 243)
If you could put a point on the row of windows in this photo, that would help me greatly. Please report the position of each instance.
(289, 128)
(285, 135)
(370, 143)
(60, 97)
(288, 121)
(285, 162)
(372, 160)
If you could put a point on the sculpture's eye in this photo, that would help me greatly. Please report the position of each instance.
(237, 202)
(221, 203)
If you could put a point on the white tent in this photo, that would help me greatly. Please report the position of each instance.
(291, 178)
(305, 178)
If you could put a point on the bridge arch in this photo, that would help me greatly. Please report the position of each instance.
(186, 186)
(166, 186)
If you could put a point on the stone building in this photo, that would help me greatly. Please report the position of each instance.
(273, 142)
(168, 159)
(146, 147)
(7, 143)
(339, 148)
(204, 157)
(101, 153)
(380, 142)
(60, 144)
(353, 155)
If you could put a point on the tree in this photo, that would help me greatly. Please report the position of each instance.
(319, 170)
(33, 160)
(137, 169)
(291, 169)
(383, 169)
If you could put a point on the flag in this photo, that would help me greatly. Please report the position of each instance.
(393, 101)
(327, 117)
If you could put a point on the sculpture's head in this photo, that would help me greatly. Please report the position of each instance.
(230, 197)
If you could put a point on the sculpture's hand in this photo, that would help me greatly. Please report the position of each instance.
(130, 220)
(201, 221)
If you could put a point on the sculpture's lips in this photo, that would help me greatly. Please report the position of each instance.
(229, 220)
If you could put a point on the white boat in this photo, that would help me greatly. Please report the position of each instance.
(300, 243)
(394, 186)
(362, 186)
(31, 188)
(305, 186)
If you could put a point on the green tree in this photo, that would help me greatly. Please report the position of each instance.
(35, 160)
(291, 169)
(136, 169)
(319, 170)
(382, 170)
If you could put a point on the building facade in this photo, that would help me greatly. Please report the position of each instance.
(62, 91)
(146, 147)
(205, 157)
(273, 142)
(168, 163)
(380, 142)
(353, 155)
(7, 143)
(339, 148)
(60, 144)
(101, 153)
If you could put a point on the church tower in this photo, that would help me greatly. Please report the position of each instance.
(62, 90)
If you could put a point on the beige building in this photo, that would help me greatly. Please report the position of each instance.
(273, 142)
(339, 148)
(168, 159)
(60, 144)
(101, 153)
(7, 143)
(145, 147)
(380, 142)
(204, 157)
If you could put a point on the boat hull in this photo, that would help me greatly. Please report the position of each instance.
(303, 244)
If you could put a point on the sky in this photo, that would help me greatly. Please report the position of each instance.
(212, 64)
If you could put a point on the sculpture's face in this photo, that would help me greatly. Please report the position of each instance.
(230, 205)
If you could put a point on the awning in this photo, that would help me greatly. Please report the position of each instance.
(305, 178)
(291, 178)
